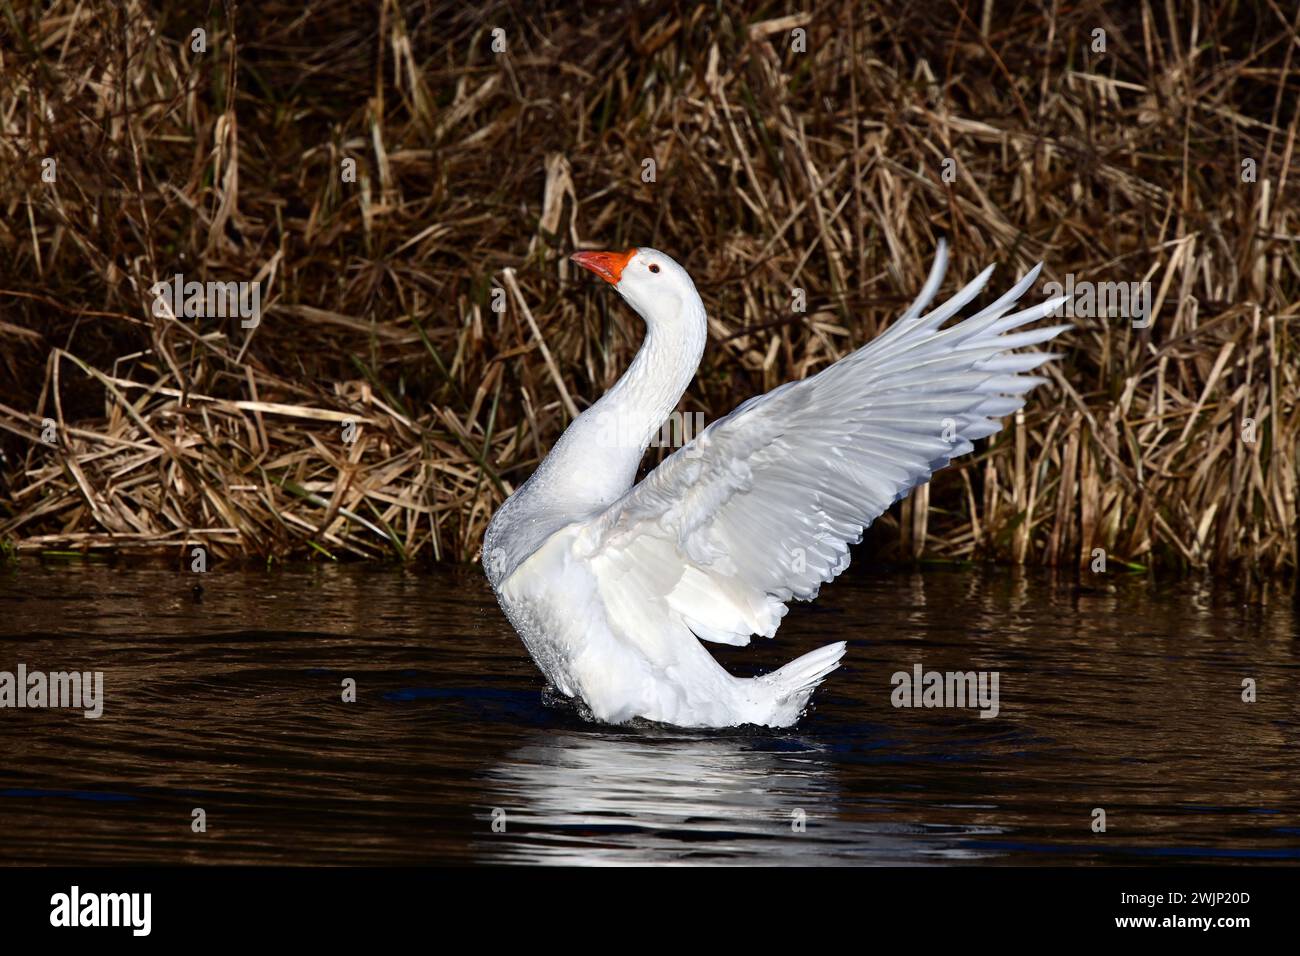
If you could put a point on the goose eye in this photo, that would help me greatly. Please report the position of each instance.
(653, 267)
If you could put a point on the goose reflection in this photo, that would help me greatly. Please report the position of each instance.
(649, 797)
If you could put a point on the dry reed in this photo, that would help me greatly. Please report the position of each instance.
(479, 171)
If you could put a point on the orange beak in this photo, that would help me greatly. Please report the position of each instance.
(608, 265)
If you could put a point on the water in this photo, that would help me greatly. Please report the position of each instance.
(1125, 696)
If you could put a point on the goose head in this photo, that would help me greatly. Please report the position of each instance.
(654, 285)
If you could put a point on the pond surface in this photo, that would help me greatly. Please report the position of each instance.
(1122, 695)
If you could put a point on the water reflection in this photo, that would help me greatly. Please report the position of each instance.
(611, 798)
(650, 798)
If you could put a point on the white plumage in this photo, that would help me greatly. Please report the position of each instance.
(612, 586)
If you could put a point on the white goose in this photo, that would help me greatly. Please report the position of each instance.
(612, 586)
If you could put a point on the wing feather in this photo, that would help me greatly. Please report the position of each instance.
(762, 506)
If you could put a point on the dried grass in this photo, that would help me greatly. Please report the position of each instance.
(775, 170)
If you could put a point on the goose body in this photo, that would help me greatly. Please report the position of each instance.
(613, 585)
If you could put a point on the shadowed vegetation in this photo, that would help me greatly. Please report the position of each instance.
(478, 172)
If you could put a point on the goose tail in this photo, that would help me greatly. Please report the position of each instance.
(792, 685)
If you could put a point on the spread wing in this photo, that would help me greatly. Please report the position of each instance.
(762, 506)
